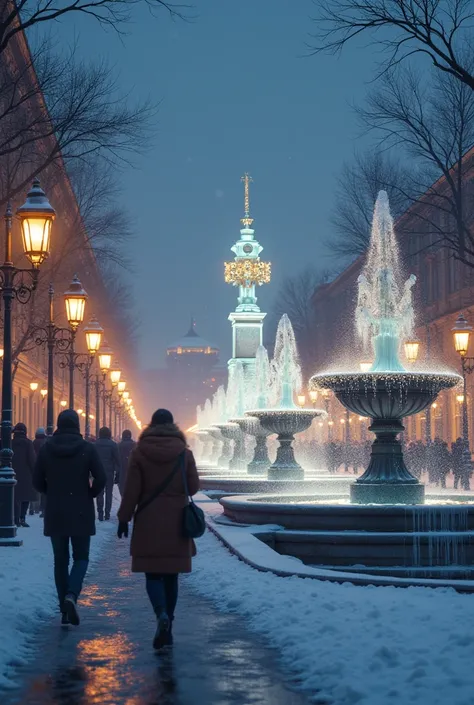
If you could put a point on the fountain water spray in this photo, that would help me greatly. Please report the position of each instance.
(387, 392)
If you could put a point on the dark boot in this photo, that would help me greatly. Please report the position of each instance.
(71, 609)
(162, 632)
(64, 619)
(24, 524)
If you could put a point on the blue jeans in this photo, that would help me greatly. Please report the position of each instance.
(162, 590)
(70, 582)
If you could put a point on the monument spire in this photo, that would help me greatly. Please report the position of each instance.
(246, 220)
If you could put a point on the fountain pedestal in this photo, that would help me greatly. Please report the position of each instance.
(387, 479)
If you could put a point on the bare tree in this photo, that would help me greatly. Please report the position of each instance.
(438, 29)
(21, 15)
(357, 189)
(432, 123)
(294, 298)
(56, 110)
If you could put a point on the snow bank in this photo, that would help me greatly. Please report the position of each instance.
(28, 593)
(349, 645)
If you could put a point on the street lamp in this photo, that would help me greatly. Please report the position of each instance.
(461, 335)
(34, 386)
(313, 395)
(121, 386)
(93, 332)
(75, 300)
(104, 362)
(412, 349)
(36, 216)
(301, 400)
(63, 403)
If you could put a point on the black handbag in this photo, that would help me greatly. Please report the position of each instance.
(194, 521)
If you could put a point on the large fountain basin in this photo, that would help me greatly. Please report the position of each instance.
(286, 421)
(429, 541)
(385, 395)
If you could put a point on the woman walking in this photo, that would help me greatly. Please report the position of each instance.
(155, 494)
(23, 462)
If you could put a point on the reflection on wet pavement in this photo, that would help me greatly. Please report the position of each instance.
(108, 660)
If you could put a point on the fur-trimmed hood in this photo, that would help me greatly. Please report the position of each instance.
(161, 444)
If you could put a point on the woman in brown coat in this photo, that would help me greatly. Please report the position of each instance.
(158, 547)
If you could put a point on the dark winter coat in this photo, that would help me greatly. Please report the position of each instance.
(125, 446)
(64, 468)
(109, 455)
(158, 545)
(23, 462)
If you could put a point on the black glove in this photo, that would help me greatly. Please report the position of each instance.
(122, 529)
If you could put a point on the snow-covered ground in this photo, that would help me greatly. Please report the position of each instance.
(27, 591)
(348, 645)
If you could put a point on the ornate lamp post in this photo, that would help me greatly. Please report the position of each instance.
(36, 217)
(94, 333)
(115, 374)
(461, 335)
(105, 361)
(75, 299)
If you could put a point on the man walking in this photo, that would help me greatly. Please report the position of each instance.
(126, 446)
(63, 470)
(109, 456)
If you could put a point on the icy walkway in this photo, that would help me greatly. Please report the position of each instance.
(108, 660)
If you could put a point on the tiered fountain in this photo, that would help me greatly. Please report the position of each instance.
(286, 419)
(385, 528)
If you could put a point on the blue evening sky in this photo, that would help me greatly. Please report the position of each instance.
(238, 92)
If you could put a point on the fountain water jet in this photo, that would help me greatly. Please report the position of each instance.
(387, 392)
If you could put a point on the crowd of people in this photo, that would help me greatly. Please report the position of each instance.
(435, 462)
(70, 482)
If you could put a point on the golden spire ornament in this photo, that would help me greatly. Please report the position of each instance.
(246, 220)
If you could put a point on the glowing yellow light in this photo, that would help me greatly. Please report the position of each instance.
(313, 395)
(63, 403)
(412, 348)
(75, 299)
(460, 398)
(461, 333)
(34, 386)
(79, 411)
(365, 366)
(301, 400)
(43, 392)
(93, 332)
(121, 386)
(330, 423)
(36, 218)
(245, 272)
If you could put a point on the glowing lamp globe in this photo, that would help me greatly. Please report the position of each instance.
(461, 334)
(34, 386)
(412, 349)
(301, 400)
(94, 332)
(43, 392)
(125, 395)
(63, 403)
(115, 375)
(121, 386)
(105, 358)
(75, 299)
(313, 395)
(36, 219)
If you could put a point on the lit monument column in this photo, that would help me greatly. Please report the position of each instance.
(247, 272)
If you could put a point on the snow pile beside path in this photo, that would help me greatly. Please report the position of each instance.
(28, 593)
(349, 645)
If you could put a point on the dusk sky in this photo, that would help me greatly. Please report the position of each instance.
(238, 92)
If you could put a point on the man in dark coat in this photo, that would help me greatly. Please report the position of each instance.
(126, 446)
(63, 470)
(110, 458)
(40, 439)
(23, 464)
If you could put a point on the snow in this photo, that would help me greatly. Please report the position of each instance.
(347, 644)
(27, 591)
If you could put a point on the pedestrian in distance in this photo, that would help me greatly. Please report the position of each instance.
(126, 445)
(40, 439)
(23, 463)
(161, 475)
(110, 458)
(64, 468)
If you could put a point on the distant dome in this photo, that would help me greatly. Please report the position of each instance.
(191, 344)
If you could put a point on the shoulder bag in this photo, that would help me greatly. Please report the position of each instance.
(161, 488)
(194, 522)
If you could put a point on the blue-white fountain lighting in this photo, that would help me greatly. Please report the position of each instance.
(384, 313)
(387, 392)
(283, 417)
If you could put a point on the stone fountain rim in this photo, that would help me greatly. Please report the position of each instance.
(225, 424)
(279, 412)
(331, 379)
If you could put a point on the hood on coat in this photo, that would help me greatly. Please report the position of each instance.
(161, 444)
(65, 444)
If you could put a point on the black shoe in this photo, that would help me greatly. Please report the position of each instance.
(32, 512)
(107, 517)
(161, 638)
(101, 517)
(71, 610)
(24, 524)
(41, 515)
(64, 619)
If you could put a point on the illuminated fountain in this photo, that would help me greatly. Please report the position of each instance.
(285, 419)
(250, 425)
(387, 392)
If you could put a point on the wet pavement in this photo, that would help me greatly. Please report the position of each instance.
(109, 660)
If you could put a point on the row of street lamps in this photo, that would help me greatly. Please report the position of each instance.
(36, 218)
